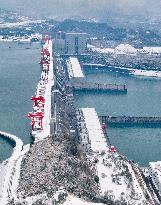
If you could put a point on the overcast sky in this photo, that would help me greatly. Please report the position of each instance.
(87, 8)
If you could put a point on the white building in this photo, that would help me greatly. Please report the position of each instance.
(75, 43)
(71, 43)
(155, 174)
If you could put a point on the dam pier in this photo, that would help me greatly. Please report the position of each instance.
(78, 81)
(86, 86)
(131, 121)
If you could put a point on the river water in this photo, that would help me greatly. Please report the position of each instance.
(143, 99)
(19, 74)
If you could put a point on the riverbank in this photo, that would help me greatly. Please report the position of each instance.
(124, 55)
(11, 169)
(6, 149)
(3, 171)
(131, 71)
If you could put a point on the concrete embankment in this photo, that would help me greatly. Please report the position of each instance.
(131, 120)
(99, 87)
(11, 171)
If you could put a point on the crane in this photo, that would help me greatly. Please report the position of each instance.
(36, 117)
(38, 99)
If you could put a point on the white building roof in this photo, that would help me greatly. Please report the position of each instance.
(96, 136)
(74, 68)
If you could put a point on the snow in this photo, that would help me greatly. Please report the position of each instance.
(157, 167)
(96, 136)
(100, 50)
(94, 64)
(72, 200)
(146, 73)
(126, 49)
(111, 168)
(33, 199)
(11, 170)
(155, 173)
(105, 179)
(120, 50)
(22, 39)
(23, 23)
(107, 174)
(3, 170)
(44, 88)
(151, 50)
(74, 68)
(12, 39)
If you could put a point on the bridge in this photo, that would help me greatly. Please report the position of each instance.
(83, 85)
(131, 121)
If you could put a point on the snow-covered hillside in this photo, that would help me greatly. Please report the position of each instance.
(126, 49)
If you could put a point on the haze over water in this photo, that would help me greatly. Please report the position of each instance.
(19, 74)
(143, 99)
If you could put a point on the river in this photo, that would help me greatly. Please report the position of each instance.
(19, 74)
(142, 99)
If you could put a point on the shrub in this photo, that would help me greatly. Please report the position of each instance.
(96, 179)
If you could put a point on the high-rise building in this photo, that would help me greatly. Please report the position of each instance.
(75, 43)
(71, 43)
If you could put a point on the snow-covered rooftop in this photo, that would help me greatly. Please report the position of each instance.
(74, 68)
(96, 136)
